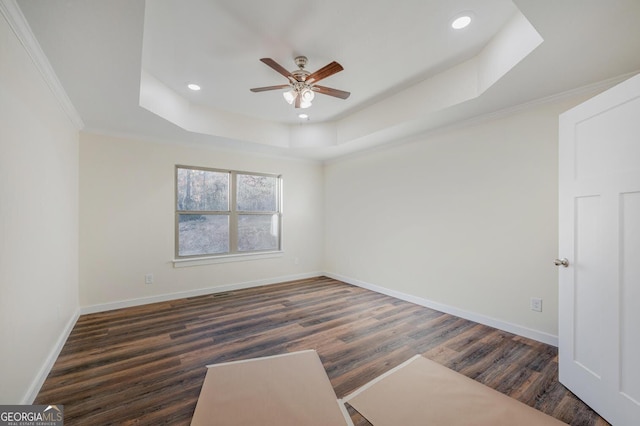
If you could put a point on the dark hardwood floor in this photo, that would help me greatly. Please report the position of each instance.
(145, 365)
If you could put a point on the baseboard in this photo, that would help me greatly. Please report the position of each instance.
(38, 381)
(472, 316)
(193, 293)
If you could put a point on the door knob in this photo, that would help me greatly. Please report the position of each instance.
(564, 262)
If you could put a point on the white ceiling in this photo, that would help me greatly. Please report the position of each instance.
(407, 70)
(382, 48)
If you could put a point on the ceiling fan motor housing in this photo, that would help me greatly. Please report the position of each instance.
(301, 61)
(300, 74)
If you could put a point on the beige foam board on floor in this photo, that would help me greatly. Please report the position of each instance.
(422, 392)
(289, 389)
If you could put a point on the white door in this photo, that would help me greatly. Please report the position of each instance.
(599, 319)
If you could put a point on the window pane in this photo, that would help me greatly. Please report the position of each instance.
(257, 193)
(202, 190)
(257, 232)
(203, 234)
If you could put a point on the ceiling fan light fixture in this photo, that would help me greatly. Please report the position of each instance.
(290, 96)
(307, 95)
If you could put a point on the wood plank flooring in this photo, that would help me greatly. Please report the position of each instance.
(145, 365)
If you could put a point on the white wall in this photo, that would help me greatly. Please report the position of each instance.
(127, 221)
(466, 218)
(38, 223)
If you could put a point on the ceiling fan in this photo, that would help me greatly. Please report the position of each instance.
(302, 84)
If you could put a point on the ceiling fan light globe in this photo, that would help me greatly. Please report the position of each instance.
(305, 104)
(289, 96)
(307, 95)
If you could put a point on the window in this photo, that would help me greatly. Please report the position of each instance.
(222, 212)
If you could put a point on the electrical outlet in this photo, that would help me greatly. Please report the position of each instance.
(148, 279)
(536, 304)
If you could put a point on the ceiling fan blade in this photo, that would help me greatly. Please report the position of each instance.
(331, 92)
(298, 101)
(324, 72)
(264, 89)
(276, 66)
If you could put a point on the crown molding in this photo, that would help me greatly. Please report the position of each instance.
(19, 25)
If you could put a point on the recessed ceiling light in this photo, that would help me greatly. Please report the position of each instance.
(461, 22)
(303, 116)
(193, 87)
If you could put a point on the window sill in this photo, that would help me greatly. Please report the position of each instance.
(184, 263)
